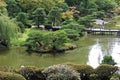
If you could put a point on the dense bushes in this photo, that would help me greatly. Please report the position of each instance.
(61, 72)
(31, 73)
(84, 70)
(105, 71)
(10, 76)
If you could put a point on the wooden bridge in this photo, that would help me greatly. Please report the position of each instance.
(102, 31)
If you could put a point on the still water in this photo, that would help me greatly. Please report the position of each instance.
(102, 47)
(90, 51)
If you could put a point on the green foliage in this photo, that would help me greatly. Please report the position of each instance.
(39, 16)
(46, 40)
(28, 6)
(108, 60)
(22, 17)
(12, 7)
(84, 70)
(61, 72)
(8, 29)
(86, 20)
(73, 2)
(22, 21)
(115, 77)
(99, 14)
(74, 26)
(106, 5)
(31, 73)
(3, 9)
(93, 77)
(10, 76)
(62, 6)
(117, 1)
(72, 34)
(54, 16)
(105, 71)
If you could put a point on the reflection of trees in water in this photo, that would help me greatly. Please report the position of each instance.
(105, 46)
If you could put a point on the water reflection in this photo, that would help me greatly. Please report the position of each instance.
(110, 47)
(95, 55)
(116, 53)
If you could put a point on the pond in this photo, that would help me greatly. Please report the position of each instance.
(91, 50)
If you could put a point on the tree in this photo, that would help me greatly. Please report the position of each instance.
(48, 4)
(108, 60)
(46, 41)
(75, 26)
(106, 5)
(12, 7)
(39, 16)
(22, 17)
(3, 7)
(73, 2)
(63, 6)
(28, 6)
(54, 16)
(8, 30)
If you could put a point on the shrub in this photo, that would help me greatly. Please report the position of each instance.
(84, 70)
(10, 76)
(108, 60)
(31, 73)
(7, 69)
(61, 72)
(72, 34)
(115, 77)
(93, 77)
(105, 71)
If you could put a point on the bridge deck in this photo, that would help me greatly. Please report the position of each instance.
(100, 30)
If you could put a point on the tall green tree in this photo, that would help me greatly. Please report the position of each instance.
(64, 7)
(8, 30)
(54, 16)
(22, 17)
(22, 21)
(39, 16)
(105, 5)
(28, 6)
(12, 7)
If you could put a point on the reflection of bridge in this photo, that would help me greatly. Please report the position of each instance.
(102, 31)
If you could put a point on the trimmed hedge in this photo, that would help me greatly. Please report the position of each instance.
(84, 70)
(10, 76)
(31, 73)
(105, 71)
(61, 72)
